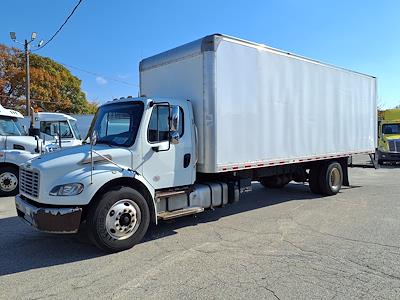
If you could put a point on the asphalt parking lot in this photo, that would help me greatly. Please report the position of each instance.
(286, 244)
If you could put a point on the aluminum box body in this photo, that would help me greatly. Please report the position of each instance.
(256, 106)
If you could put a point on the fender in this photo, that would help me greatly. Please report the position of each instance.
(133, 179)
(151, 190)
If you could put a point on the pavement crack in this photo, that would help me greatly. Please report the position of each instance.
(272, 292)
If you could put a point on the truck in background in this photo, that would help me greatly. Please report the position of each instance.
(55, 127)
(213, 116)
(17, 147)
(388, 136)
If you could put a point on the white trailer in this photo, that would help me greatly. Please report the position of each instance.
(214, 115)
(255, 105)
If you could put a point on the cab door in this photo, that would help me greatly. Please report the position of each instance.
(166, 164)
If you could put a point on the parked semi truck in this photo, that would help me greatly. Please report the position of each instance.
(17, 147)
(213, 116)
(388, 136)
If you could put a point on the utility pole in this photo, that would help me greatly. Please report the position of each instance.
(27, 69)
(28, 80)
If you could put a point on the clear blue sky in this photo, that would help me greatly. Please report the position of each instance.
(111, 37)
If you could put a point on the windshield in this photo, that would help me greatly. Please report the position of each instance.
(391, 129)
(117, 124)
(75, 129)
(54, 127)
(11, 126)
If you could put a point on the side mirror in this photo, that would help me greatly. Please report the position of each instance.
(58, 136)
(93, 138)
(174, 124)
(37, 150)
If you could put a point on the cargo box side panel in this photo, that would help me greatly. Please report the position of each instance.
(181, 79)
(273, 107)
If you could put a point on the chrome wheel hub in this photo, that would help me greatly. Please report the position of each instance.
(123, 219)
(8, 182)
(335, 178)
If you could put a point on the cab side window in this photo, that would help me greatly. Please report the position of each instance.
(159, 124)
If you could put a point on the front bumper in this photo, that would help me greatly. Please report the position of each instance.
(49, 219)
(389, 156)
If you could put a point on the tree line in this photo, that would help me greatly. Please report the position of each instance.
(53, 87)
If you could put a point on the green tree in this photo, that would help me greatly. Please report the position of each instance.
(53, 87)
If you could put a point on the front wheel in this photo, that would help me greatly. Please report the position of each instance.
(118, 220)
(9, 183)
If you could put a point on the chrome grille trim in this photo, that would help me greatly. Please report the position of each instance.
(29, 182)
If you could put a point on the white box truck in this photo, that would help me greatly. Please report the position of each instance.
(213, 115)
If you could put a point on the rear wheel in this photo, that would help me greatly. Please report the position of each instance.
(9, 183)
(119, 220)
(331, 178)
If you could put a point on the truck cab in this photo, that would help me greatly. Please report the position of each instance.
(388, 136)
(55, 126)
(139, 147)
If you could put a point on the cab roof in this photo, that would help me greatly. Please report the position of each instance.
(47, 116)
(5, 112)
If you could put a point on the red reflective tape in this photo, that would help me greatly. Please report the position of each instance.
(281, 162)
(271, 163)
(224, 169)
(260, 164)
(235, 168)
(247, 166)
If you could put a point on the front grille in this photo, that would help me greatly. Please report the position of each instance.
(29, 182)
(394, 145)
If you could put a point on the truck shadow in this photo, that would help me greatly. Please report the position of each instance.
(258, 198)
(23, 248)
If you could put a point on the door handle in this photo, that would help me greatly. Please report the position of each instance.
(186, 160)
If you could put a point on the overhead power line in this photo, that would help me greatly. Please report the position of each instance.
(61, 27)
(99, 75)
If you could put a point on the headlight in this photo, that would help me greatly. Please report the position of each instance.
(70, 189)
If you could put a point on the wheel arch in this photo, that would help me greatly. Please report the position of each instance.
(8, 164)
(128, 182)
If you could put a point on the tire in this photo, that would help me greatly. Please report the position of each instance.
(9, 181)
(275, 182)
(331, 178)
(118, 220)
(313, 179)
